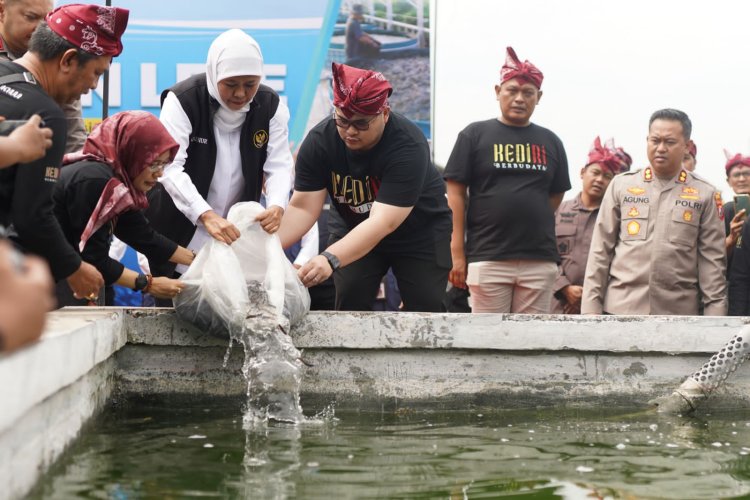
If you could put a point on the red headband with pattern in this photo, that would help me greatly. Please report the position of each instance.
(692, 149)
(92, 28)
(359, 91)
(525, 72)
(616, 160)
(733, 161)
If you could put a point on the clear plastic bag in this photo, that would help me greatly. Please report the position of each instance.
(215, 297)
(262, 259)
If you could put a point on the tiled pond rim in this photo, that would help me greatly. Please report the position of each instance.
(368, 361)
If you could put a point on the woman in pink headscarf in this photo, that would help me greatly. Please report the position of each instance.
(102, 192)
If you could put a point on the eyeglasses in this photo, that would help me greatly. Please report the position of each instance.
(156, 167)
(360, 125)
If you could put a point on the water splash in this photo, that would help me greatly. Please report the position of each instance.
(272, 366)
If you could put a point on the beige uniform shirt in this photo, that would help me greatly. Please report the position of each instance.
(657, 249)
(574, 226)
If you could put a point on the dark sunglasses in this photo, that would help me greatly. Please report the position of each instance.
(360, 125)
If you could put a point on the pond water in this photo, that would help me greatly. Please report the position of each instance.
(142, 449)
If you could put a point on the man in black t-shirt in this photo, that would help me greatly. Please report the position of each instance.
(516, 173)
(376, 167)
(67, 54)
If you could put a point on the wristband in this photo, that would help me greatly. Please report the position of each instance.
(333, 261)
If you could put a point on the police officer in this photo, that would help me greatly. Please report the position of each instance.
(658, 245)
(575, 219)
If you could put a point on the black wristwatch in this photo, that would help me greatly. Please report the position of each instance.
(333, 261)
(141, 282)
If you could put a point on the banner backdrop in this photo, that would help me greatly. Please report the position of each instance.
(167, 40)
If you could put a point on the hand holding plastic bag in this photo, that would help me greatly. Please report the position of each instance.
(215, 297)
(262, 259)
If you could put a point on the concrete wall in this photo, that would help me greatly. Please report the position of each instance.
(389, 360)
(50, 389)
(379, 361)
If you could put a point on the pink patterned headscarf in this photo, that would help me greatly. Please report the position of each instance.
(128, 142)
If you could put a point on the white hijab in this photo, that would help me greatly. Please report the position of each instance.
(233, 53)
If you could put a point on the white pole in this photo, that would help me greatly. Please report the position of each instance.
(389, 13)
(420, 22)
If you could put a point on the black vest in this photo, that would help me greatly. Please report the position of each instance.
(200, 108)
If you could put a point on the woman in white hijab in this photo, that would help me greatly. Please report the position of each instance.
(233, 137)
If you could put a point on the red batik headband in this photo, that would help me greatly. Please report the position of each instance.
(92, 28)
(616, 160)
(525, 72)
(359, 91)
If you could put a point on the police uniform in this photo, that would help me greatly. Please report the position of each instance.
(657, 248)
(574, 226)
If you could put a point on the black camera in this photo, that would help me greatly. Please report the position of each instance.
(8, 126)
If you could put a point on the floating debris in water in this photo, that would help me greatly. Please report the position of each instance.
(716, 444)
(208, 445)
(620, 446)
(583, 468)
(197, 436)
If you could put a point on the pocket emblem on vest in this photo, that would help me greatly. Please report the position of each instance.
(260, 138)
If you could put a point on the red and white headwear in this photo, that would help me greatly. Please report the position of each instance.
(525, 72)
(359, 91)
(92, 28)
(606, 155)
(735, 160)
(692, 149)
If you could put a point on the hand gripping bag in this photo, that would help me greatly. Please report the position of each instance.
(217, 283)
